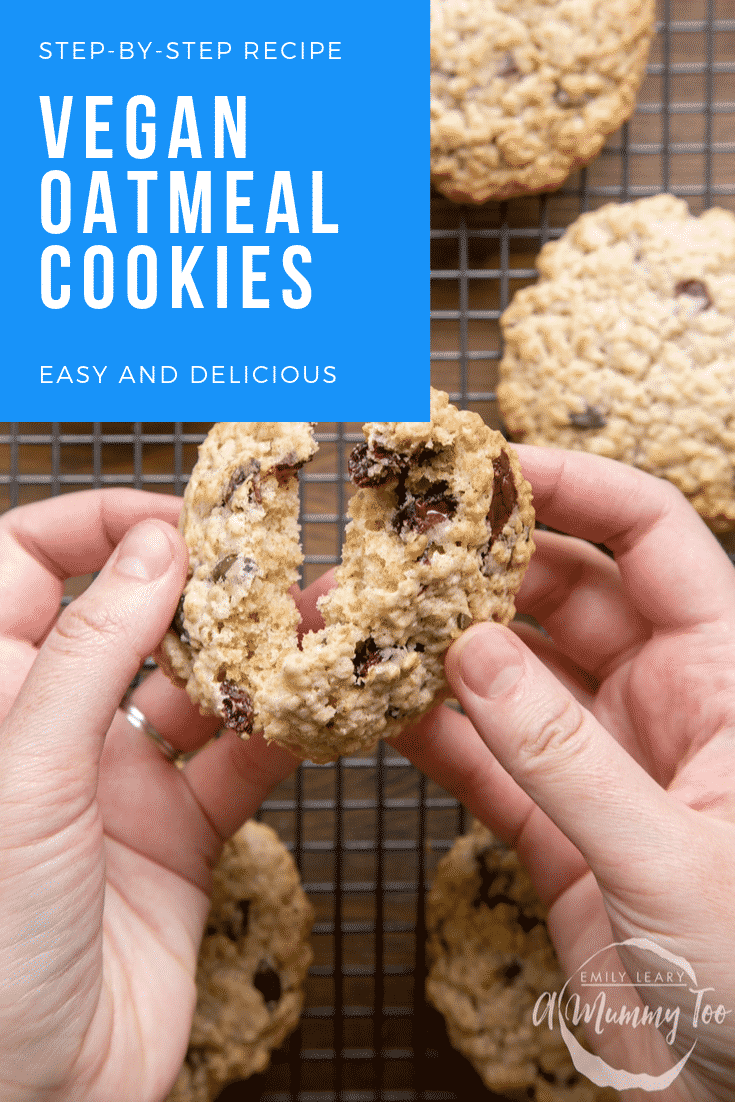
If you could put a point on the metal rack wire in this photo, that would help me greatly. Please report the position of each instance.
(367, 831)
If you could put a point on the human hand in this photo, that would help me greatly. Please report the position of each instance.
(605, 750)
(105, 846)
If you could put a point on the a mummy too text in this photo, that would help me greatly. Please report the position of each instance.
(63, 278)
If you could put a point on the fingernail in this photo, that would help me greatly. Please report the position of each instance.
(145, 552)
(489, 663)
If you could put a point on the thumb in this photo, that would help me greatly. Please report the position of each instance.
(53, 735)
(569, 765)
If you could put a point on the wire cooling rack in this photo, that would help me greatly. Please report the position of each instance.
(367, 831)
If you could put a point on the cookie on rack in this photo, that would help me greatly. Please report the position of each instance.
(439, 536)
(252, 965)
(625, 347)
(490, 960)
(524, 91)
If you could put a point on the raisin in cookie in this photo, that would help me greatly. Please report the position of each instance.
(626, 347)
(252, 965)
(490, 959)
(439, 536)
(523, 91)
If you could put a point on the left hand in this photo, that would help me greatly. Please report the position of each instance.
(105, 846)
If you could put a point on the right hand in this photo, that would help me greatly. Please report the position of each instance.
(605, 749)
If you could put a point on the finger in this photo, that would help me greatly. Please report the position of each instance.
(230, 777)
(306, 600)
(166, 813)
(446, 747)
(54, 732)
(169, 711)
(578, 682)
(44, 543)
(148, 806)
(576, 593)
(673, 568)
(16, 659)
(558, 753)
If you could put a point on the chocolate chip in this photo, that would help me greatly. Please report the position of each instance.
(504, 496)
(246, 571)
(237, 708)
(367, 654)
(177, 624)
(590, 418)
(251, 470)
(696, 289)
(419, 513)
(527, 922)
(359, 468)
(195, 1057)
(494, 888)
(222, 567)
(374, 466)
(425, 454)
(512, 970)
(287, 468)
(494, 883)
(236, 925)
(267, 981)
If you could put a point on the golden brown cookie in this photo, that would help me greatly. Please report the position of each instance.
(490, 960)
(524, 91)
(252, 965)
(626, 347)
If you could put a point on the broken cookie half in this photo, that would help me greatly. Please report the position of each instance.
(440, 535)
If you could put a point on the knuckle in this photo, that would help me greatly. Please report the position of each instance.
(80, 624)
(561, 733)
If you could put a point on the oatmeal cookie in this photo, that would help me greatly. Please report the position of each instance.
(490, 959)
(252, 965)
(524, 91)
(439, 537)
(626, 347)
